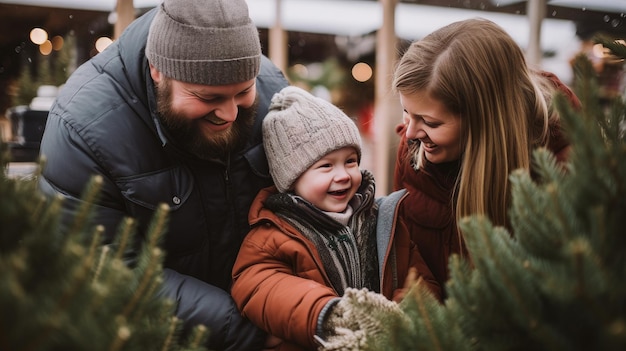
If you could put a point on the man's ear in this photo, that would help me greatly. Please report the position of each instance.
(155, 74)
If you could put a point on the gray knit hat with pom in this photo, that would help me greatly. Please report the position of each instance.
(300, 129)
(208, 42)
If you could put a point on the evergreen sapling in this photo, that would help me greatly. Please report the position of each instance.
(70, 292)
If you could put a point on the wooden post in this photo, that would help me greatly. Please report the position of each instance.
(125, 15)
(536, 12)
(387, 112)
(278, 41)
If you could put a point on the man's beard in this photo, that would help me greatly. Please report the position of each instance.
(188, 135)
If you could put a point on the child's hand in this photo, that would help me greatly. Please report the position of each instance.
(355, 319)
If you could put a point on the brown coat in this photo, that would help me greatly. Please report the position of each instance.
(279, 282)
(427, 210)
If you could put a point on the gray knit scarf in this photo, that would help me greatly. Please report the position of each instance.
(348, 253)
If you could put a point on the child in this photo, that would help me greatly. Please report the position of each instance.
(314, 234)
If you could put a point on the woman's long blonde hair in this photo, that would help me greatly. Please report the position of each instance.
(479, 73)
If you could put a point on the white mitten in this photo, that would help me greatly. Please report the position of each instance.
(355, 319)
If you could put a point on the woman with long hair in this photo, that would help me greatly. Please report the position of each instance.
(473, 112)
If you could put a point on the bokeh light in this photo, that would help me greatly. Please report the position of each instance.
(362, 72)
(38, 36)
(57, 42)
(46, 47)
(102, 43)
(301, 70)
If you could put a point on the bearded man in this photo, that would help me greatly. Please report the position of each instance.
(171, 113)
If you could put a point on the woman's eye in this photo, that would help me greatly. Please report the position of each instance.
(431, 124)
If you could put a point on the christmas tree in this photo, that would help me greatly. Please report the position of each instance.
(557, 280)
(70, 292)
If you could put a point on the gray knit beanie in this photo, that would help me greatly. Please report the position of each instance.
(208, 42)
(299, 129)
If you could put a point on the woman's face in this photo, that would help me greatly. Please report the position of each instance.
(430, 122)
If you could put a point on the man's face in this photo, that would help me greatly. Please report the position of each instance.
(207, 121)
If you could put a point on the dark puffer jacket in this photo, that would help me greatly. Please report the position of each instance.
(104, 123)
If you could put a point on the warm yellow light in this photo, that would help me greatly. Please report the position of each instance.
(600, 51)
(300, 70)
(38, 36)
(102, 43)
(362, 72)
(46, 47)
(57, 42)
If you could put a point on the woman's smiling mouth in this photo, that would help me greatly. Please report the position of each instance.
(428, 146)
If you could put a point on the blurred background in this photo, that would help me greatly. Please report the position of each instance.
(341, 50)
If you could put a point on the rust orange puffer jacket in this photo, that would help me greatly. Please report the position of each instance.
(279, 282)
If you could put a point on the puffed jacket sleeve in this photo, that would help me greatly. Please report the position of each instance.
(200, 303)
(397, 253)
(69, 165)
(417, 262)
(279, 287)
